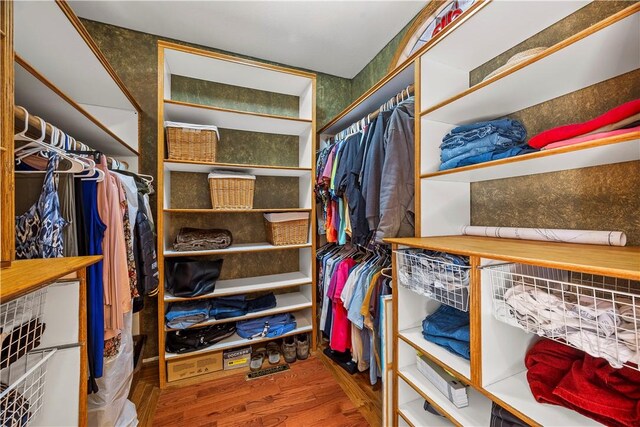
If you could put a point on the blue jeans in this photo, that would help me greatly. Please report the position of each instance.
(511, 129)
(473, 157)
(184, 314)
(448, 328)
(461, 348)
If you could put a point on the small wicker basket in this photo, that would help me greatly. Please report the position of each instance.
(191, 142)
(231, 190)
(287, 228)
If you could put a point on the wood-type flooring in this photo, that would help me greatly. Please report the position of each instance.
(314, 392)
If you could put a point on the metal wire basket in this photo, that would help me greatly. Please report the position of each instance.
(596, 314)
(434, 278)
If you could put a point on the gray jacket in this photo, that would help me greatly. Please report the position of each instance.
(397, 211)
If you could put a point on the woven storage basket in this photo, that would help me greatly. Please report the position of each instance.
(231, 190)
(287, 228)
(191, 142)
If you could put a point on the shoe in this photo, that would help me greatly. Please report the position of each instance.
(257, 358)
(289, 349)
(273, 352)
(302, 346)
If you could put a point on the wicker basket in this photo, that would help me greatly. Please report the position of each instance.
(231, 191)
(191, 142)
(287, 228)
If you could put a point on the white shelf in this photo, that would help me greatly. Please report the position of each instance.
(303, 326)
(415, 414)
(177, 166)
(456, 363)
(602, 55)
(249, 285)
(574, 157)
(219, 70)
(231, 119)
(515, 392)
(40, 100)
(285, 303)
(478, 413)
(234, 249)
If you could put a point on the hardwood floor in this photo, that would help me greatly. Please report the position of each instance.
(313, 393)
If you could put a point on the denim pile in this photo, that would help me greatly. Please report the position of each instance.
(448, 328)
(481, 142)
(181, 315)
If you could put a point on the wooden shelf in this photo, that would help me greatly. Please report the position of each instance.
(515, 392)
(623, 262)
(582, 60)
(616, 149)
(303, 326)
(224, 118)
(234, 249)
(285, 303)
(439, 355)
(218, 211)
(26, 276)
(249, 285)
(260, 170)
(478, 413)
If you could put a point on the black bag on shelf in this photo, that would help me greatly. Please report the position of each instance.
(188, 340)
(190, 277)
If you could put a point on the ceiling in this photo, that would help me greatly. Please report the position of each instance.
(334, 37)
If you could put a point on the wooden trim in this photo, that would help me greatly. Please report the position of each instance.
(238, 165)
(82, 338)
(82, 31)
(213, 295)
(219, 211)
(406, 420)
(508, 407)
(229, 110)
(553, 49)
(475, 320)
(162, 365)
(616, 139)
(394, 335)
(234, 59)
(428, 398)
(314, 226)
(417, 138)
(7, 183)
(437, 361)
(71, 102)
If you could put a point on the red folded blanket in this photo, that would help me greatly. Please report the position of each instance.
(570, 131)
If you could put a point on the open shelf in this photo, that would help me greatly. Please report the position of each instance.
(177, 111)
(580, 61)
(216, 211)
(413, 413)
(623, 262)
(249, 285)
(515, 392)
(303, 326)
(259, 170)
(478, 413)
(615, 149)
(238, 248)
(449, 361)
(285, 303)
(35, 93)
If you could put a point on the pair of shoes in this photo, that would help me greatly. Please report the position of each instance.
(257, 358)
(295, 347)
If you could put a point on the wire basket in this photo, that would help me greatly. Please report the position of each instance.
(22, 388)
(20, 321)
(599, 315)
(427, 275)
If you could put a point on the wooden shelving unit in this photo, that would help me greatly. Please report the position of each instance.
(496, 371)
(293, 289)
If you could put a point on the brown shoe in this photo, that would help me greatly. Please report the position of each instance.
(302, 346)
(289, 349)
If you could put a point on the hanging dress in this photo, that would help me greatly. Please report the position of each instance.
(39, 229)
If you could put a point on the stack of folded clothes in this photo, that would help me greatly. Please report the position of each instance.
(561, 375)
(448, 328)
(198, 239)
(620, 120)
(500, 417)
(481, 142)
(184, 314)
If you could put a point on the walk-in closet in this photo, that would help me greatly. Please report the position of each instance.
(320, 213)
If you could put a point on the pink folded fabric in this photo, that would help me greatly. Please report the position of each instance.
(591, 137)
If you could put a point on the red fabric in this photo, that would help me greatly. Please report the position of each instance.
(570, 131)
(564, 376)
(340, 325)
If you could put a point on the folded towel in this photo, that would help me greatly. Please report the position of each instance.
(198, 239)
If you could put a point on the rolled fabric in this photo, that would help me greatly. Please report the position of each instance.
(197, 239)
(589, 237)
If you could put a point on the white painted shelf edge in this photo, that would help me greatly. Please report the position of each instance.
(240, 247)
(414, 412)
(170, 166)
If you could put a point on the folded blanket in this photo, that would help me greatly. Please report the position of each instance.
(197, 239)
